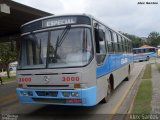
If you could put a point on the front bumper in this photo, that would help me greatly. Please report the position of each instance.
(86, 97)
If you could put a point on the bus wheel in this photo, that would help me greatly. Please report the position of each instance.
(129, 72)
(147, 58)
(109, 91)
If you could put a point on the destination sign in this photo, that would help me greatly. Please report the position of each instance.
(59, 21)
(55, 21)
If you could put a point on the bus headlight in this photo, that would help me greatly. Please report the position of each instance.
(66, 94)
(24, 93)
(30, 93)
(75, 94)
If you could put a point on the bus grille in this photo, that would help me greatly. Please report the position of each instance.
(47, 85)
(49, 100)
(47, 93)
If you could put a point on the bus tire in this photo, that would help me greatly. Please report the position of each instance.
(129, 72)
(109, 92)
(147, 58)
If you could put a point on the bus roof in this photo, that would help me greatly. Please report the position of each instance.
(52, 16)
(147, 46)
(87, 15)
(142, 48)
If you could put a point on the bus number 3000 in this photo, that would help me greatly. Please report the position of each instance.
(68, 79)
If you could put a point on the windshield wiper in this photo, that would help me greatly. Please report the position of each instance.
(61, 38)
(63, 35)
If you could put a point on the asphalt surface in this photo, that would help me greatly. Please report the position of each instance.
(8, 89)
(8, 94)
(98, 112)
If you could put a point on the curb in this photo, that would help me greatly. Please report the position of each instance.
(132, 103)
(125, 95)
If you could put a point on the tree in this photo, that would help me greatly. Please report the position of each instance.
(136, 41)
(154, 39)
(7, 56)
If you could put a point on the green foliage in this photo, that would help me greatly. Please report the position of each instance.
(158, 66)
(147, 73)
(6, 55)
(5, 78)
(136, 41)
(154, 39)
(142, 103)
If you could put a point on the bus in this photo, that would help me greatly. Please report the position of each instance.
(13, 65)
(158, 51)
(72, 60)
(144, 54)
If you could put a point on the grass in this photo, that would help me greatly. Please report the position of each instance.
(6, 79)
(142, 102)
(158, 65)
(147, 73)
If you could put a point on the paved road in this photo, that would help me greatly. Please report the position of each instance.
(8, 93)
(100, 111)
(7, 89)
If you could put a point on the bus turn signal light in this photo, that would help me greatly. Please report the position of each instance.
(77, 85)
(20, 85)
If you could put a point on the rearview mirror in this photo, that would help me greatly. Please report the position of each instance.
(100, 34)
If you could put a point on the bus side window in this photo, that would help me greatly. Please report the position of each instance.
(108, 40)
(134, 51)
(120, 43)
(118, 46)
(100, 45)
(115, 39)
(130, 46)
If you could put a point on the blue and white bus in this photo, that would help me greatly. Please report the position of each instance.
(158, 51)
(71, 60)
(13, 65)
(144, 54)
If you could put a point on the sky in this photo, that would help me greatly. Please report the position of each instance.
(126, 16)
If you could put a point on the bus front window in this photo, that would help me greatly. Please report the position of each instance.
(62, 48)
(33, 51)
(74, 49)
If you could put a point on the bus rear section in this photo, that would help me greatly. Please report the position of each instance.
(158, 51)
(144, 54)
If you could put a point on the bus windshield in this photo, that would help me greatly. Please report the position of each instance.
(57, 48)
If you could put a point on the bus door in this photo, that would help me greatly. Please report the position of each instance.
(101, 51)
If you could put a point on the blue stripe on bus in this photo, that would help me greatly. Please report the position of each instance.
(143, 56)
(113, 62)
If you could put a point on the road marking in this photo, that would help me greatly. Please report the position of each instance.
(131, 106)
(122, 98)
